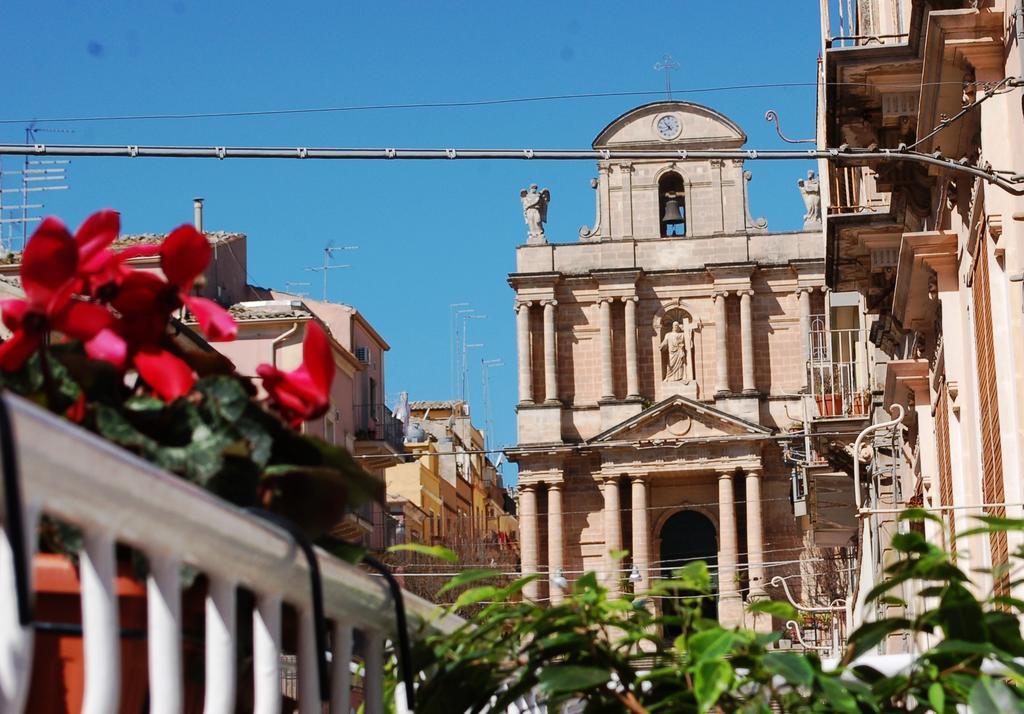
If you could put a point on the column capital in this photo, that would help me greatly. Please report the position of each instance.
(630, 298)
(801, 289)
(720, 293)
(523, 303)
(754, 471)
(626, 167)
(723, 475)
(549, 301)
(748, 291)
(528, 487)
(554, 485)
(604, 299)
(609, 478)
(639, 478)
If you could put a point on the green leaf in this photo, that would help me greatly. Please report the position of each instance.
(709, 644)
(466, 577)
(961, 615)
(910, 542)
(871, 633)
(937, 697)
(793, 668)
(838, 695)
(225, 396)
(775, 608)
(991, 695)
(710, 681)
(918, 514)
(434, 551)
(475, 595)
(618, 555)
(562, 678)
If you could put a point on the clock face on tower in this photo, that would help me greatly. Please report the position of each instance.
(668, 127)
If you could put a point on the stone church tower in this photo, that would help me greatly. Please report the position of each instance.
(658, 355)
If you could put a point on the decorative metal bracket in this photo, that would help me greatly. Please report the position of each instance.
(791, 624)
(773, 116)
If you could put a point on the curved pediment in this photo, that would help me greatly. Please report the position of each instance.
(686, 126)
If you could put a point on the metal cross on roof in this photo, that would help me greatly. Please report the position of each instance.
(667, 65)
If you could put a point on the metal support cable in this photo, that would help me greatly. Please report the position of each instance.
(1008, 181)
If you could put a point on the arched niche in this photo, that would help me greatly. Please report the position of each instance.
(677, 348)
(671, 204)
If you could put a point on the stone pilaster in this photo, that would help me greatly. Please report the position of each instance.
(528, 535)
(804, 296)
(612, 533)
(607, 375)
(747, 341)
(641, 533)
(523, 347)
(627, 199)
(606, 201)
(632, 367)
(550, 357)
(555, 560)
(755, 535)
(730, 604)
(721, 344)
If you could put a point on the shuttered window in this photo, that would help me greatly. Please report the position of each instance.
(988, 412)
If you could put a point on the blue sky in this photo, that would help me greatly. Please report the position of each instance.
(429, 233)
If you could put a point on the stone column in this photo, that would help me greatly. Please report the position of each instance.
(730, 605)
(632, 369)
(641, 534)
(612, 533)
(550, 357)
(607, 376)
(721, 344)
(627, 199)
(805, 320)
(755, 536)
(523, 346)
(747, 341)
(555, 563)
(528, 535)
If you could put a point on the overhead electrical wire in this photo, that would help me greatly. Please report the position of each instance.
(447, 104)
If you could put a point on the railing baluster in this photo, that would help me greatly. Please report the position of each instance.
(220, 647)
(163, 609)
(266, 640)
(373, 671)
(100, 628)
(15, 641)
(308, 685)
(341, 669)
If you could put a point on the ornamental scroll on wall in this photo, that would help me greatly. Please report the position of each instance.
(676, 347)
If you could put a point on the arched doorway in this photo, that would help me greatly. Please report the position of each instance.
(685, 537)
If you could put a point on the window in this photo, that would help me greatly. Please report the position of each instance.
(672, 204)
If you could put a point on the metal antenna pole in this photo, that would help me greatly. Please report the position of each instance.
(464, 366)
(452, 341)
(329, 252)
(289, 284)
(485, 367)
(667, 65)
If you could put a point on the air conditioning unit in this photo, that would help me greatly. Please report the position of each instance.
(363, 355)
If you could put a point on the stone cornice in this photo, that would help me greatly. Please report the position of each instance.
(934, 250)
(911, 374)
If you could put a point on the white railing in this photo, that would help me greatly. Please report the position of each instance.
(837, 366)
(114, 498)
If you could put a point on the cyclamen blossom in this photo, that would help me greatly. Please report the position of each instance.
(48, 276)
(303, 393)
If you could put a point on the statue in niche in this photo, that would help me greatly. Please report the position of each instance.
(811, 193)
(678, 346)
(535, 212)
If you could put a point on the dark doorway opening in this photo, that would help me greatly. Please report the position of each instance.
(688, 536)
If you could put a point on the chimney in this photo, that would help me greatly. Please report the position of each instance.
(197, 205)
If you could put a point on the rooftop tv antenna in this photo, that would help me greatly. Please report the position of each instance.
(485, 367)
(466, 347)
(34, 176)
(329, 250)
(289, 284)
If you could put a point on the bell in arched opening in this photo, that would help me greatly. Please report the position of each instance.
(671, 205)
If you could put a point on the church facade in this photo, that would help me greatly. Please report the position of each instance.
(658, 357)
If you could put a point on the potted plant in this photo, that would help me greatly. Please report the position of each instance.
(95, 341)
(829, 403)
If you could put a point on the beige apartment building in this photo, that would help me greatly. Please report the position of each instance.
(658, 356)
(935, 259)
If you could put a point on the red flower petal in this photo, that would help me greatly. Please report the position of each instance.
(48, 265)
(138, 293)
(82, 320)
(76, 412)
(169, 376)
(16, 350)
(99, 231)
(184, 256)
(216, 322)
(13, 313)
(107, 345)
(317, 358)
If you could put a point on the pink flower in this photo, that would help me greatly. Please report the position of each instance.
(304, 393)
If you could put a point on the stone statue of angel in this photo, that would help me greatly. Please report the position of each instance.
(535, 212)
(811, 193)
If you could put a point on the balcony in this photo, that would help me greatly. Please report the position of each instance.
(838, 377)
(375, 423)
(115, 498)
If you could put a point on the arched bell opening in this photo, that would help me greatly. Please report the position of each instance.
(686, 537)
(671, 204)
